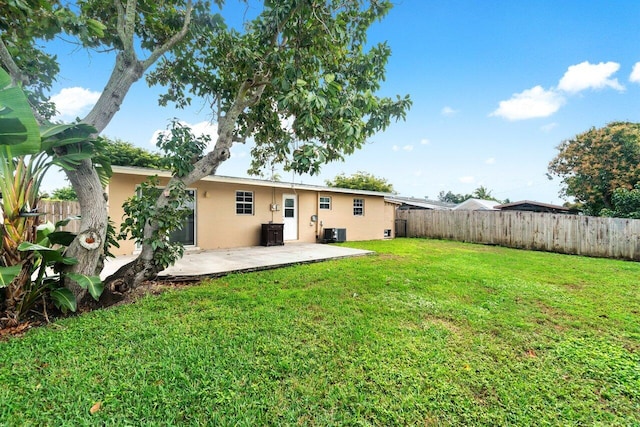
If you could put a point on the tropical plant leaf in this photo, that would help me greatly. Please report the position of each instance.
(47, 253)
(53, 134)
(63, 238)
(28, 246)
(7, 274)
(92, 283)
(18, 126)
(64, 299)
(66, 221)
(43, 230)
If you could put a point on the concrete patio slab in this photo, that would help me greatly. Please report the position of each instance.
(215, 263)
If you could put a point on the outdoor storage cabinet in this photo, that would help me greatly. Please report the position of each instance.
(272, 235)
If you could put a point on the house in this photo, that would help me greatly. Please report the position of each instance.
(530, 206)
(230, 212)
(406, 203)
(477, 205)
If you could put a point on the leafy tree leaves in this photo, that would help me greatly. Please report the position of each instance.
(361, 181)
(595, 163)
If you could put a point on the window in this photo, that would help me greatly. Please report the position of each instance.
(244, 202)
(289, 207)
(358, 207)
(187, 233)
(325, 202)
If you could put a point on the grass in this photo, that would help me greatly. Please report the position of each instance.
(424, 332)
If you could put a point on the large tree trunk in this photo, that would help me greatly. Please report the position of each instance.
(87, 248)
(143, 267)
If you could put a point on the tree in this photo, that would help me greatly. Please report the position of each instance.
(625, 203)
(595, 163)
(483, 193)
(450, 197)
(361, 181)
(300, 81)
(130, 29)
(64, 193)
(124, 153)
(304, 63)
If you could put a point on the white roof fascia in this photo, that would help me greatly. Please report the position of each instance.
(247, 181)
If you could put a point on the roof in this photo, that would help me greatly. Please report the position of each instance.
(130, 170)
(419, 203)
(532, 205)
(477, 205)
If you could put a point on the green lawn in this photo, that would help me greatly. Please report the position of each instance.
(425, 332)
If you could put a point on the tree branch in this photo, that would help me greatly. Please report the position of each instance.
(177, 37)
(120, 23)
(18, 78)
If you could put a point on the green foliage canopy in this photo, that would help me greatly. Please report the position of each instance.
(481, 192)
(64, 193)
(361, 181)
(301, 80)
(595, 163)
(625, 203)
(123, 153)
(451, 197)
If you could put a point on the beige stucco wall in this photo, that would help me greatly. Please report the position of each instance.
(218, 225)
(390, 217)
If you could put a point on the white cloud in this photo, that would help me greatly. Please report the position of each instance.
(635, 73)
(549, 127)
(529, 104)
(448, 111)
(467, 179)
(590, 76)
(490, 161)
(404, 148)
(198, 129)
(73, 102)
(425, 141)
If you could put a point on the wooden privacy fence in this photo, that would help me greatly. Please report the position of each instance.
(568, 234)
(57, 210)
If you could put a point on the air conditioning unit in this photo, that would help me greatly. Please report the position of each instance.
(333, 235)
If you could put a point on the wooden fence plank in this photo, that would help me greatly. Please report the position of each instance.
(569, 234)
(57, 210)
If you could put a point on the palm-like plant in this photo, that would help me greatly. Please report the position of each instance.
(20, 180)
(26, 153)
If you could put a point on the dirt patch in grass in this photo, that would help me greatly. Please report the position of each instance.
(443, 323)
(552, 317)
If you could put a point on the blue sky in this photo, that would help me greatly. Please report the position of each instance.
(496, 86)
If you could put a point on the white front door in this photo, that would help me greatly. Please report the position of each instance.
(290, 216)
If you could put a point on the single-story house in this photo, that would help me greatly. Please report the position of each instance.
(477, 205)
(238, 212)
(530, 206)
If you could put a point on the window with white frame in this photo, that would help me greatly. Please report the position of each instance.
(244, 202)
(325, 202)
(358, 207)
